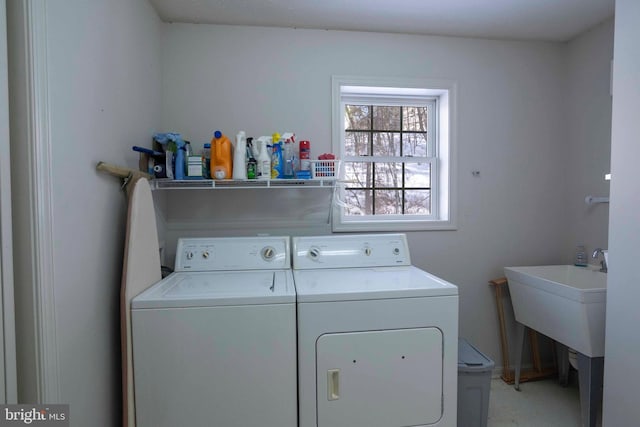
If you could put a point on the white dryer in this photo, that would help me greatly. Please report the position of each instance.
(214, 344)
(377, 337)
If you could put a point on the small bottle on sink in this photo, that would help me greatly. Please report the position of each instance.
(581, 256)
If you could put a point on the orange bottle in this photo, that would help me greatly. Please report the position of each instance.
(221, 156)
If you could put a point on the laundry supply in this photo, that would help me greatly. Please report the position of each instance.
(180, 159)
(173, 142)
(305, 155)
(276, 160)
(206, 161)
(240, 157)
(288, 155)
(264, 159)
(194, 167)
(252, 163)
(221, 160)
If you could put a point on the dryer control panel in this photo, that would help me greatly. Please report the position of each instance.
(232, 253)
(348, 251)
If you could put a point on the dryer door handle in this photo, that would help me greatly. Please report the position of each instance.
(333, 384)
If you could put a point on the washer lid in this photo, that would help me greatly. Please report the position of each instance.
(210, 289)
(349, 284)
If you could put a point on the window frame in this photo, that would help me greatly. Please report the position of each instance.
(404, 92)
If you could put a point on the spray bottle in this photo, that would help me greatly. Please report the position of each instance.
(252, 163)
(288, 155)
(180, 154)
(240, 157)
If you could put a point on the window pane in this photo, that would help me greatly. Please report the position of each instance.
(386, 118)
(414, 118)
(386, 144)
(414, 144)
(417, 175)
(358, 174)
(359, 202)
(357, 143)
(357, 117)
(388, 202)
(417, 202)
(388, 175)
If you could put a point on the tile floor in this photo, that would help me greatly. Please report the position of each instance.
(537, 404)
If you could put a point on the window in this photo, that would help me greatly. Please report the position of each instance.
(395, 141)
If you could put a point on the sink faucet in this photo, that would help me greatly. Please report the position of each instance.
(603, 263)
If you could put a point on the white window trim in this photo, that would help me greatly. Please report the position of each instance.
(445, 177)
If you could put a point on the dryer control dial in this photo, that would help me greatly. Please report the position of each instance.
(205, 254)
(314, 253)
(367, 251)
(268, 253)
(189, 255)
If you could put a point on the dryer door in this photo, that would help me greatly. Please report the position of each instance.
(389, 378)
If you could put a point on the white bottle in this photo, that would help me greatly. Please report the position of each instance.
(240, 157)
(264, 160)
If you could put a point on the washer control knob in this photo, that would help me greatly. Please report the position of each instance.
(205, 254)
(396, 251)
(314, 253)
(189, 255)
(268, 253)
(367, 251)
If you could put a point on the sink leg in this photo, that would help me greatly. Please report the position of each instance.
(562, 354)
(518, 356)
(590, 370)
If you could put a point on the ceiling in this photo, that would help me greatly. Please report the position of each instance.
(550, 20)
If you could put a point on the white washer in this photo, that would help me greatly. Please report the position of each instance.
(377, 337)
(215, 342)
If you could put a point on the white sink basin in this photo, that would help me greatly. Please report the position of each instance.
(564, 302)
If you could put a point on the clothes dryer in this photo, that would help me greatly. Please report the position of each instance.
(214, 344)
(377, 337)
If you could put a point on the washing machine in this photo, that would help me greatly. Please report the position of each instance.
(377, 337)
(214, 343)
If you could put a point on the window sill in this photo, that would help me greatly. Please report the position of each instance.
(392, 226)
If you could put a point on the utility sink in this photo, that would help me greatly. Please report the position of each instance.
(564, 302)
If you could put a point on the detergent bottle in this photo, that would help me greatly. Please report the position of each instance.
(240, 157)
(221, 160)
(264, 159)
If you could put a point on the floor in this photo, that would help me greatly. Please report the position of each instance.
(537, 404)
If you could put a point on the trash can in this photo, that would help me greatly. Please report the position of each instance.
(474, 384)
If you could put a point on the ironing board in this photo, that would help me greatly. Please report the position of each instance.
(141, 269)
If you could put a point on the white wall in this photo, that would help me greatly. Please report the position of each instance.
(622, 374)
(588, 152)
(511, 116)
(103, 76)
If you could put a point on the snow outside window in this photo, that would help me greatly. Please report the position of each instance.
(395, 140)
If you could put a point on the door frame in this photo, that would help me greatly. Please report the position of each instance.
(8, 377)
(30, 139)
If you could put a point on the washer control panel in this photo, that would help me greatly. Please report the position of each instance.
(358, 250)
(232, 253)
